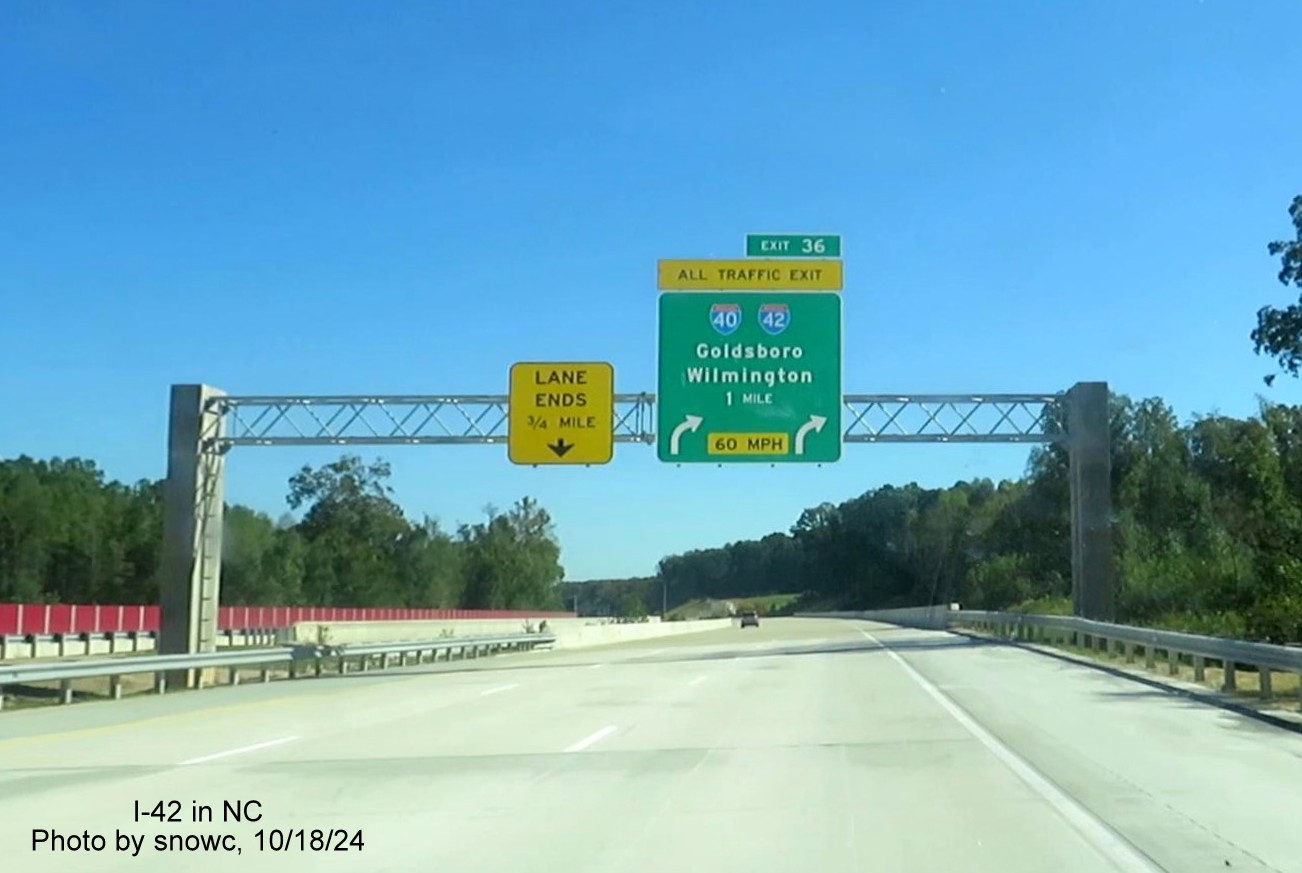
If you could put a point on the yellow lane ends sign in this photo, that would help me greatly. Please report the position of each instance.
(561, 413)
(750, 274)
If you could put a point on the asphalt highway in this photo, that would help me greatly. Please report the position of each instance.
(803, 745)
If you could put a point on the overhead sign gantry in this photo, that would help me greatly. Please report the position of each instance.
(749, 370)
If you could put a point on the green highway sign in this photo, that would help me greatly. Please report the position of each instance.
(793, 245)
(748, 377)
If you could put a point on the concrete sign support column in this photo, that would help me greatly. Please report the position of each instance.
(1090, 464)
(192, 524)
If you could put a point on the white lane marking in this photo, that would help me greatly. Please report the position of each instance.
(656, 652)
(1105, 840)
(595, 666)
(498, 690)
(240, 751)
(592, 738)
(697, 681)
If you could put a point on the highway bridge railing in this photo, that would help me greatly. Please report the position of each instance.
(1130, 642)
(43, 619)
(298, 660)
(85, 643)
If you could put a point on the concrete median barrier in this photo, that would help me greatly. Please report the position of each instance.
(578, 636)
(927, 617)
(569, 632)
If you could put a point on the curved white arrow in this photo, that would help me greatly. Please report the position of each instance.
(690, 422)
(815, 424)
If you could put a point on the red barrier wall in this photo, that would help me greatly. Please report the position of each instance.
(80, 618)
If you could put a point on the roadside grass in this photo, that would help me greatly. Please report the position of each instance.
(684, 611)
(769, 604)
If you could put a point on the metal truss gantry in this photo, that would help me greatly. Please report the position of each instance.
(205, 423)
(482, 419)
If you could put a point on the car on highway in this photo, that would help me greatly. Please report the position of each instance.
(750, 618)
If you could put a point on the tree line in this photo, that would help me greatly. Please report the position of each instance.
(1207, 527)
(69, 535)
(632, 598)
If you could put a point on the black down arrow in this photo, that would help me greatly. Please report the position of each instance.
(560, 447)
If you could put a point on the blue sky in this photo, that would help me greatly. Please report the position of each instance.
(310, 198)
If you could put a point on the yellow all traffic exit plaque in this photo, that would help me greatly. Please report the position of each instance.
(561, 413)
(751, 274)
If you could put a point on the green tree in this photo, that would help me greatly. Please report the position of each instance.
(431, 568)
(1279, 331)
(632, 606)
(67, 534)
(353, 529)
(247, 540)
(512, 560)
(26, 525)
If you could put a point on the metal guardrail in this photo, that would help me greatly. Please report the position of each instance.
(1229, 654)
(236, 660)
